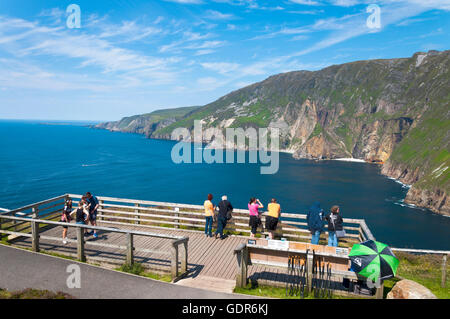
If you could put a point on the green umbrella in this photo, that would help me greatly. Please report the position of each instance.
(373, 260)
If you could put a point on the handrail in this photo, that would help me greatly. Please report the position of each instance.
(423, 251)
(54, 199)
(121, 211)
(106, 229)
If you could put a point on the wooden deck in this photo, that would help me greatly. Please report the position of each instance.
(207, 256)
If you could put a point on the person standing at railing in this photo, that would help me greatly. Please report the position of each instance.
(335, 225)
(65, 218)
(225, 209)
(93, 206)
(274, 211)
(254, 220)
(314, 219)
(209, 213)
(81, 213)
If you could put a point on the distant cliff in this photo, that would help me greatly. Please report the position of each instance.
(392, 111)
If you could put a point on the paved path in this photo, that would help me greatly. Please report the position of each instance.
(20, 269)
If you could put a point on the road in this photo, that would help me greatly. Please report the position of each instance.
(20, 269)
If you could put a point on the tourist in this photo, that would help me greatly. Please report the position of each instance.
(93, 206)
(225, 210)
(254, 220)
(65, 218)
(314, 219)
(274, 210)
(81, 213)
(209, 214)
(335, 223)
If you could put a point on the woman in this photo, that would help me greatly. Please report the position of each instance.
(65, 218)
(273, 215)
(335, 223)
(254, 221)
(81, 213)
(209, 213)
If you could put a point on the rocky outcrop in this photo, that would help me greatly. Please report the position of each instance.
(436, 199)
(408, 289)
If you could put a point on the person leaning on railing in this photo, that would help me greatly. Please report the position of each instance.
(209, 213)
(254, 218)
(274, 211)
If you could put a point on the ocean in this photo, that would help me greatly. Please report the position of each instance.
(41, 159)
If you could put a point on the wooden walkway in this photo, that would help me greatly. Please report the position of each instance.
(207, 256)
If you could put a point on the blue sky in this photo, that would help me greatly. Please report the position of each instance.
(132, 57)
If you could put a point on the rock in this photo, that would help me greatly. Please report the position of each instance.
(408, 289)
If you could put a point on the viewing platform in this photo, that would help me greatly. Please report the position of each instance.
(169, 238)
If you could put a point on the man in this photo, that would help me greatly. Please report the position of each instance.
(315, 222)
(224, 207)
(93, 206)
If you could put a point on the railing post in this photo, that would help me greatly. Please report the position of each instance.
(80, 244)
(130, 249)
(380, 291)
(177, 221)
(35, 212)
(174, 261)
(242, 258)
(136, 211)
(184, 257)
(1, 226)
(309, 267)
(35, 236)
(444, 271)
(100, 206)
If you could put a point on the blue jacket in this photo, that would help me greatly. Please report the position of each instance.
(315, 218)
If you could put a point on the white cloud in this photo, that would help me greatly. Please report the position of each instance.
(216, 15)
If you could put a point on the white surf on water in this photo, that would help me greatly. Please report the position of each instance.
(350, 159)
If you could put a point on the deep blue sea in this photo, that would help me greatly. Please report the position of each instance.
(39, 161)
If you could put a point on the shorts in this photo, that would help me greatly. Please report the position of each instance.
(64, 221)
(93, 216)
(67, 220)
(81, 223)
(271, 223)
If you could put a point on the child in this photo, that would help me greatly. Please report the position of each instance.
(65, 218)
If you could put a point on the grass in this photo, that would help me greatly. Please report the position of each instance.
(139, 270)
(33, 294)
(423, 269)
(254, 289)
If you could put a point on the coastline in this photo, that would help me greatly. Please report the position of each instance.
(414, 203)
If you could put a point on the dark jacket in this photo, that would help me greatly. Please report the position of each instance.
(335, 222)
(224, 206)
(314, 218)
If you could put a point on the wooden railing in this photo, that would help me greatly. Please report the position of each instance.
(151, 214)
(35, 236)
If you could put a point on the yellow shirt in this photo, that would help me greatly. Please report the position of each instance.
(274, 210)
(209, 208)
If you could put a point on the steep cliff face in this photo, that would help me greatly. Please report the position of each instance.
(393, 111)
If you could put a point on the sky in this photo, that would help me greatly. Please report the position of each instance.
(132, 56)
